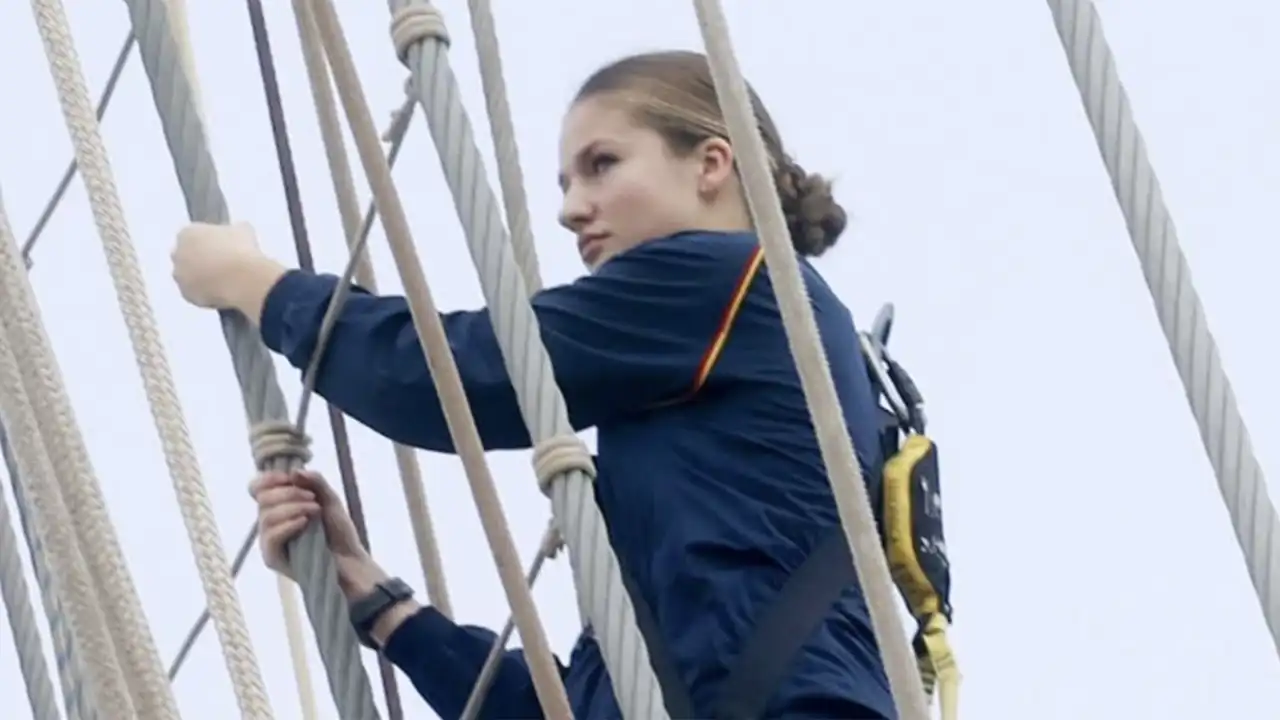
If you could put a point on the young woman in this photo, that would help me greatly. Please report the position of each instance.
(709, 473)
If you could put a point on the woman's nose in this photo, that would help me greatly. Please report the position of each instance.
(575, 211)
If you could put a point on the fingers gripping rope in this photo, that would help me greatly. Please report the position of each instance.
(601, 593)
(309, 556)
(355, 232)
(397, 133)
(273, 444)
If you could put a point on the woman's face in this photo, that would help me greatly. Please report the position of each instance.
(622, 184)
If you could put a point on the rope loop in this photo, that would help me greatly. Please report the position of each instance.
(413, 23)
(558, 455)
(279, 440)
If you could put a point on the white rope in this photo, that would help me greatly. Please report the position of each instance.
(75, 691)
(502, 127)
(1178, 307)
(22, 620)
(444, 372)
(349, 209)
(55, 523)
(182, 35)
(82, 494)
(811, 361)
(287, 590)
(310, 560)
(158, 383)
(601, 594)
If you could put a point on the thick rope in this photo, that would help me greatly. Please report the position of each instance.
(83, 497)
(502, 128)
(337, 424)
(309, 557)
(395, 136)
(444, 372)
(55, 525)
(75, 697)
(285, 589)
(157, 379)
(182, 34)
(601, 594)
(60, 191)
(349, 209)
(815, 375)
(516, 204)
(22, 620)
(547, 550)
(1178, 307)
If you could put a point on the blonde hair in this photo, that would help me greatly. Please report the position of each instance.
(673, 94)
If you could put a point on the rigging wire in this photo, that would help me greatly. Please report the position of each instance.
(306, 260)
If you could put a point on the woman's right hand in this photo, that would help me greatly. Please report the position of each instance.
(287, 503)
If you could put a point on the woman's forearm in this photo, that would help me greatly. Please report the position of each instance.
(359, 578)
(441, 658)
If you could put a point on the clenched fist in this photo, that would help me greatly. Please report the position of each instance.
(221, 267)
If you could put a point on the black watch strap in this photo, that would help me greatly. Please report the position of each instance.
(365, 611)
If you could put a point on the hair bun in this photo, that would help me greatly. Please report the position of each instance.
(813, 216)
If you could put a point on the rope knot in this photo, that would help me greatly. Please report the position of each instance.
(414, 23)
(558, 455)
(279, 442)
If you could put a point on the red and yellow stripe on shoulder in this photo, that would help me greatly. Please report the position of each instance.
(721, 337)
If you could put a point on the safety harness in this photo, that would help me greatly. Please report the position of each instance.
(909, 515)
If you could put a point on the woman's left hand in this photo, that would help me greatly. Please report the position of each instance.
(209, 262)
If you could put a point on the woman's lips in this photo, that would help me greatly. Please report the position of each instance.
(590, 247)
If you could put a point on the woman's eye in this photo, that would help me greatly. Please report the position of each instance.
(600, 163)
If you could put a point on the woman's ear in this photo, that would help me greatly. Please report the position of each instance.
(716, 165)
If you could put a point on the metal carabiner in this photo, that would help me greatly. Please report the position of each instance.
(883, 325)
(872, 344)
(904, 398)
(908, 391)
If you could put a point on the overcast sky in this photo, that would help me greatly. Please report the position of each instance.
(1096, 574)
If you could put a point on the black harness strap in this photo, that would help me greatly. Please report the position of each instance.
(783, 629)
(765, 661)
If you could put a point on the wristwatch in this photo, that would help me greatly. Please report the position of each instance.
(365, 612)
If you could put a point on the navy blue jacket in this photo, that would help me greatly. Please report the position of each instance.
(709, 473)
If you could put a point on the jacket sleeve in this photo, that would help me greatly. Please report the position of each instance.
(630, 336)
(443, 661)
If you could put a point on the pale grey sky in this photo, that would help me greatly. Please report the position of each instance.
(1096, 575)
